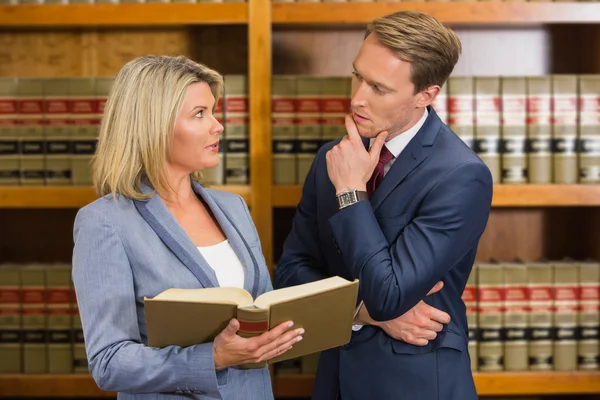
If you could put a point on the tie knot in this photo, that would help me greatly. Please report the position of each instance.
(385, 156)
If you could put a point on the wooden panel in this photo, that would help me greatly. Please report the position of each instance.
(71, 196)
(520, 383)
(447, 12)
(123, 14)
(259, 39)
(504, 195)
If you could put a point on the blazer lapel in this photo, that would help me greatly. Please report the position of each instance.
(229, 225)
(160, 219)
(414, 154)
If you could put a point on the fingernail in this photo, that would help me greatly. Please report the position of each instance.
(291, 323)
(300, 331)
(299, 338)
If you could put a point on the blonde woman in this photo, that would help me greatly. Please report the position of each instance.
(155, 227)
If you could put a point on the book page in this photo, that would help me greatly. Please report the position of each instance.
(221, 295)
(286, 294)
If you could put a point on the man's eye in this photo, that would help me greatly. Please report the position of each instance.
(357, 75)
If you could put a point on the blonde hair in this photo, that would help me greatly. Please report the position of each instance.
(431, 48)
(138, 123)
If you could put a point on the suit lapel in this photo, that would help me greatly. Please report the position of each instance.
(413, 154)
(162, 222)
(227, 222)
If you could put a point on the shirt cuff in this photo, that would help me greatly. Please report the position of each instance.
(356, 327)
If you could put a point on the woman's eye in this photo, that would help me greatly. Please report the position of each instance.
(200, 114)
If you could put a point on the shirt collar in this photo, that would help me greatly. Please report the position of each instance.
(397, 144)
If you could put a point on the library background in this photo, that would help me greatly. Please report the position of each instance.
(528, 78)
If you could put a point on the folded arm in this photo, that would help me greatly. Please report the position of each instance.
(118, 359)
(450, 221)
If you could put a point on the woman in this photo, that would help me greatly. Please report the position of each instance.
(156, 228)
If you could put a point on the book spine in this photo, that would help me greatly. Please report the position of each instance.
(35, 324)
(588, 347)
(589, 129)
(461, 108)
(253, 322)
(60, 351)
(539, 130)
(515, 317)
(440, 104)
(11, 360)
(10, 145)
(309, 123)
(540, 278)
(469, 297)
(56, 132)
(487, 123)
(566, 305)
(30, 128)
(237, 166)
(83, 110)
(514, 131)
(284, 130)
(564, 123)
(490, 317)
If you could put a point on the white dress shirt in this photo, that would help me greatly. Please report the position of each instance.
(395, 146)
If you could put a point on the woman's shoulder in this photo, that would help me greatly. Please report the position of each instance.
(224, 197)
(105, 208)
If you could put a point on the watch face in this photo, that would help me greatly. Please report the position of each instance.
(346, 199)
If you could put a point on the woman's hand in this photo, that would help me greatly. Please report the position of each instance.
(230, 349)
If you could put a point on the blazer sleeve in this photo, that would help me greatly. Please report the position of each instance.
(118, 360)
(302, 260)
(449, 223)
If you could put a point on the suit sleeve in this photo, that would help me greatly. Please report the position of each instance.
(302, 260)
(448, 224)
(118, 359)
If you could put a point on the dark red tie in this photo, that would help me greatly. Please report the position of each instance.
(384, 157)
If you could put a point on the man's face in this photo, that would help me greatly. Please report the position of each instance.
(382, 91)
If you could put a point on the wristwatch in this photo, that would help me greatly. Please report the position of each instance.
(349, 197)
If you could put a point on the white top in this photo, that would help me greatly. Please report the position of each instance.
(226, 264)
(395, 146)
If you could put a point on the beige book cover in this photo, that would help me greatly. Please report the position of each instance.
(514, 130)
(487, 123)
(325, 309)
(335, 105)
(83, 109)
(539, 129)
(284, 132)
(541, 321)
(11, 359)
(490, 295)
(237, 162)
(564, 128)
(516, 317)
(469, 297)
(440, 104)
(57, 131)
(588, 346)
(10, 146)
(566, 304)
(30, 131)
(80, 362)
(308, 105)
(35, 319)
(461, 107)
(60, 343)
(589, 129)
(216, 175)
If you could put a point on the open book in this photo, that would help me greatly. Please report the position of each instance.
(325, 309)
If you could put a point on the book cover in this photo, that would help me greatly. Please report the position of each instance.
(487, 123)
(490, 316)
(541, 316)
(539, 129)
(514, 131)
(284, 130)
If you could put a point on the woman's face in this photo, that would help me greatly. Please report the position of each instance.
(195, 142)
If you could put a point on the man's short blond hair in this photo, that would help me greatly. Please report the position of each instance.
(139, 120)
(421, 40)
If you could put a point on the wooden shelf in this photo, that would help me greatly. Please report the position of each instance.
(70, 196)
(447, 12)
(504, 195)
(489, 384)
(122, 14)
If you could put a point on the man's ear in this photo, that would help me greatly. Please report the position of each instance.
(428, 95)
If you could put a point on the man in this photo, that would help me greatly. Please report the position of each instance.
(400, 203)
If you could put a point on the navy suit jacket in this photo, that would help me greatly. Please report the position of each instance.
(422, 225)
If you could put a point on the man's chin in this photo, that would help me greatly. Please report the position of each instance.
(366, 133)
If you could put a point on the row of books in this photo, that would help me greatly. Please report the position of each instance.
(40, 328)
(49, 130)
(539, 316)
(539, 130)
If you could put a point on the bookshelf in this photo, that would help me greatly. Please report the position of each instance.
(81, 27)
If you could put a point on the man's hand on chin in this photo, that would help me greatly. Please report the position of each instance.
(417, 326)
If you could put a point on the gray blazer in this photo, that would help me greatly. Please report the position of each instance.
(126, 250)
